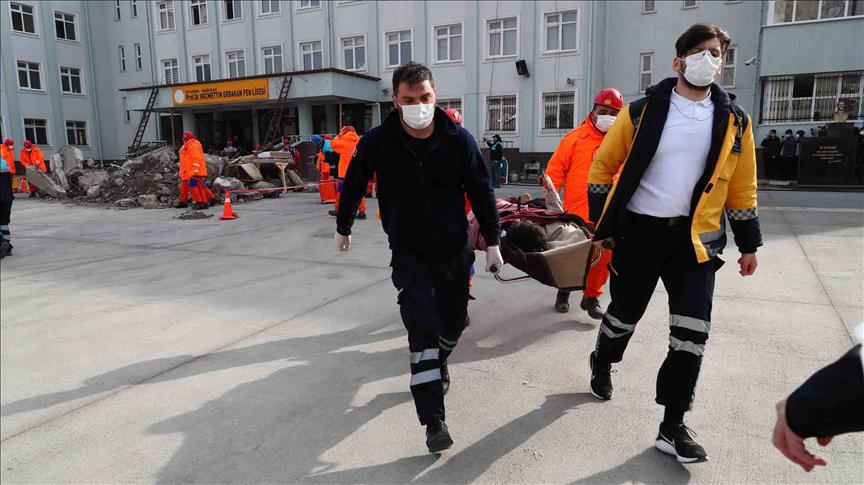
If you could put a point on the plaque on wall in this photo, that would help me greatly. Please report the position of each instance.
(828, 160)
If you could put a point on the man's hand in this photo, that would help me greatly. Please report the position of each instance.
(343, 243)
(748, 264)
(494, 261)
(792, 445)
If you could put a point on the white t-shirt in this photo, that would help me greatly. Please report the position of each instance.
(667, 185)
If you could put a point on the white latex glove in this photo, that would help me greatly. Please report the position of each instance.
(343, 243)
(494, 261)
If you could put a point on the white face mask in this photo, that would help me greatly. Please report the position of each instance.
(418, 116)
(701, 68)
(604, 122)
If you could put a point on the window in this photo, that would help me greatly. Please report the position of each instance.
(134, 5)
(558, 111)
(648, 6)
(501, 114)
(170, 71)
(127, 115)
(236, 61)
(122, 52)
(198, 12)
(76, 133)
(645, 61)
(270, 7)
(138, 59)
(729, 66)
(448, 43)
(502, 37)
(23, 18)
(70, 80)
(233, 10)
(398, 47)
(307, 4)
(272, 59)
(808, 97)
(166, 15)
(201, 64)
(64, 26)
(310, 52)
(36, 130)
(562, 31)
(354, 53)
(786, 11)
(116, 9)
(455, 103)
(29, 75)
(689, 4)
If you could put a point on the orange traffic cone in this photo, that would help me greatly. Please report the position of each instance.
(227, 212)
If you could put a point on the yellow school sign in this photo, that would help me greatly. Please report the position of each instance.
(220, 92)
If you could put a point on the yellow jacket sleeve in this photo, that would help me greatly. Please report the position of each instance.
(741, 210)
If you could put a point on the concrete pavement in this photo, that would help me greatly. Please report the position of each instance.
(139, 348)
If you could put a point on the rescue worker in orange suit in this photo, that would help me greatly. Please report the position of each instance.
(33, 156)
(569, 167)
(7, 152)
(7, 170)
(193, 169)
(345, 144)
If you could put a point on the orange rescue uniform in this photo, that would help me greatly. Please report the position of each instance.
(8, 154)
(345, 145)
(192, 164)
(569, 167)
(34, 157)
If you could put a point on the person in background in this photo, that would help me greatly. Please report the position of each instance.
(771, 146)
(799, 137)
(345, 144)
(330, 156)
(788, 155)
(193, 170)
(568, 168)
(32, 156)
(230, 150)
(290, 148)
(7, 152)
(496, 157)
(7, 169)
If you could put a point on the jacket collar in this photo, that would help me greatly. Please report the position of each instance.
(663, 91)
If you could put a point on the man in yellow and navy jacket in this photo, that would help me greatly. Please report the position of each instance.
(686, 155)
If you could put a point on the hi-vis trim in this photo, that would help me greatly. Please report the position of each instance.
(689, 323)
(619, 324)
(428, 354)
(685, 346)
(599, 188)
(426, 376)
(742, 214)
(446, 344)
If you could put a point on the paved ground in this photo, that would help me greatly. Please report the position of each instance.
(139, 348)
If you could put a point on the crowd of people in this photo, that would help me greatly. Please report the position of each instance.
(780, 156)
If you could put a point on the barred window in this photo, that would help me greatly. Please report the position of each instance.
(786, 11)
(501, 114)
(455, 103)
(812, 97)
(170, 71)
(558, 112)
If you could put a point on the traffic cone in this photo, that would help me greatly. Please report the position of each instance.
(227, 212)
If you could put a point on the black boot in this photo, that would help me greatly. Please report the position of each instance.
(601, 378)
(361, 215)
(592, 306)
(562, 302)
(332, 213)
(437, 437)
(445, 378)
(181, 205)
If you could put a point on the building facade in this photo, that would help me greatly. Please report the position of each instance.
(79, 72)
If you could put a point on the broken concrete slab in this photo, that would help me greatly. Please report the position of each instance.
(45, 183)
(126, 202)
(72, 157)
(55, 162)
(94, 191)
(252, 171)
(91, 177)
(229, 183)
(215, 165)
(147, 201)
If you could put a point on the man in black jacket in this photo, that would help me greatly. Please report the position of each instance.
(425, 164)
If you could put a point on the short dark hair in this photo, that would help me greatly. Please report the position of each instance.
(411, 74)
(526, 236)
(772, 131)
(699, 33)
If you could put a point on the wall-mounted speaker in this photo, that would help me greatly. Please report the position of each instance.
(522, 68)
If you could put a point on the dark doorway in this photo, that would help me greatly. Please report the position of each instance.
(165, 128)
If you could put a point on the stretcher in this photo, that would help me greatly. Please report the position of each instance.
(565, 267)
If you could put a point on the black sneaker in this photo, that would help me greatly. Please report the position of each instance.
(181, 205)
(437, 437)
(592, 306)
(601, 379)
(445, 378)
(677, 440)
(361, 215)
(562, 302)
(332, 213)
(5, 249)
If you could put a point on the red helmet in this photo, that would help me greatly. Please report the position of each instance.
(187, 135)
(8, 142)
(348, 129)
(609, 97)
(28, 143)
(326, 137)
(454, 115)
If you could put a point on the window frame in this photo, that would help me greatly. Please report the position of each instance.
(199, 4)
(300, 8)
(133, 9)
(434, 44)
(684, 5)
(544, 26)
(225, 19)
(228, 64)
(541, 131)
(486, 130)
(47, 143)
(365, 46)
(264, 58)
(311, 42)
(127, 115)
(117, 16)
(765, 105)
(80, 80)
(162, 70)
(348, 3)
(121, 49)
(846, 14)
(38, 70)
(386, 48)
(260, 10)
(653, 5)
(195, 66)
(139, 57)
(733, 66)
(158, 12)
(642, 71)
(35, 7)
(487, 45)
(76, 40)
(86, 132)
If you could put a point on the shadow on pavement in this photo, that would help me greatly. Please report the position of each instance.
(650, 466)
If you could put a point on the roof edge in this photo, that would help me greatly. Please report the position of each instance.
(257, 76)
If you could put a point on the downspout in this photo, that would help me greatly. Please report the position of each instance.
(757, 84)
(150, 43)
(92, 83)
(329, 14)
(590, 68)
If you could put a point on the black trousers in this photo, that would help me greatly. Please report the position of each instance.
(433, 301)
(6, 199)
(650, 249)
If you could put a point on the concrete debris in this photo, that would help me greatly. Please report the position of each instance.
(72, 158)
(126, 202)
(148, 201)
(45, 183)
(118, 182)
(193, 214)
(88, 178)
(94, 191)
(263, 185)
(215, 165)
(55, 163)
(158, 176)
(229, 183)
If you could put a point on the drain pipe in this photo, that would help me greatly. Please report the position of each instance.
(93, 86)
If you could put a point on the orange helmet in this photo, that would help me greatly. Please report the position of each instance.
(454, 115)
(609, 97)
